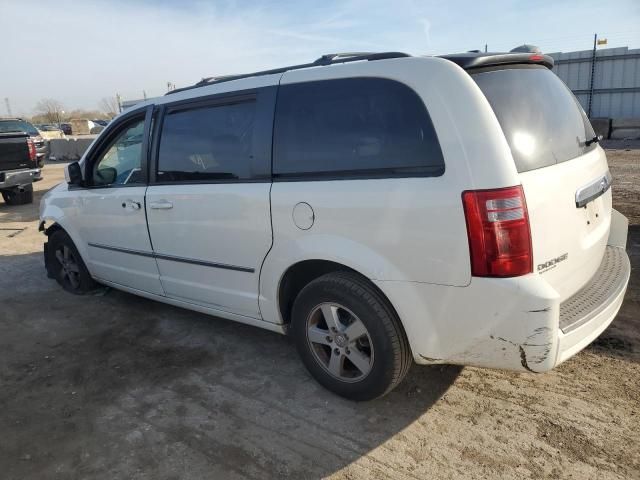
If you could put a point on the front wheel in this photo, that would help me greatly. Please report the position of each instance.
(349, 337)
(66, 266)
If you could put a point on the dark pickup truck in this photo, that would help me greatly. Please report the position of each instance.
(18, 168)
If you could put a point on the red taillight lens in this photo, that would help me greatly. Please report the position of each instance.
(498, 231)
(32, 149)
(536, 58)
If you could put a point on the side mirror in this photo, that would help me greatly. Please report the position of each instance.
(108, 175)
(73, 174)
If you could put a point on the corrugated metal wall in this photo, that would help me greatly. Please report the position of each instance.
(616, 88)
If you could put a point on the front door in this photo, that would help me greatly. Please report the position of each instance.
(111, 209)
(208, 211)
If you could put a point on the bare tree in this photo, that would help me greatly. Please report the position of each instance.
(50, 109)
(109, 105)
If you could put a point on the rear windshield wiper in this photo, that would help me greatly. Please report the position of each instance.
(595, 139)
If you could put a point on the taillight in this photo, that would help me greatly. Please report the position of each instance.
(32, 150)
(498, 231)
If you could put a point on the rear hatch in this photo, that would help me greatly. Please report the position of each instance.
(563, 172)
(14, 151)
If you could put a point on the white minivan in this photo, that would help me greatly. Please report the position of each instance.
(383, 209)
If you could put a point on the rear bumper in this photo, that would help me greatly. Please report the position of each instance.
(516, 323)
(610, 285)
(19, 178)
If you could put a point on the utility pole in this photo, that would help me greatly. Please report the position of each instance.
(144, 94)
(119, 102)
(593, 71)
(8, 105)
(485, 48)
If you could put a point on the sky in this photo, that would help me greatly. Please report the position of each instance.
(80, 52)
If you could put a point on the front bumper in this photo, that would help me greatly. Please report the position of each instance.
(18, 178)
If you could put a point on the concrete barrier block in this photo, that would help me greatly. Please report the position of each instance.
(68, 149)
(625, 123)
(625, 133)
(82, 144)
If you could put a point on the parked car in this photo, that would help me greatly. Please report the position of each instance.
(20, 125)
(18, 167)
(383, 211)
(66, 128)
(49, 132)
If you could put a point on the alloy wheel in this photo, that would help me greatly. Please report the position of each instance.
(340, 342)
(69, 268)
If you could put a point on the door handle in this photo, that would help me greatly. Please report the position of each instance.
(133, 205)
(161, 205)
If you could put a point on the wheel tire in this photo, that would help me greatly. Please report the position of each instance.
(390, 354)
(65, 264)
(15, 197)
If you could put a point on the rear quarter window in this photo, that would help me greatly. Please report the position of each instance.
(353, 127)
(541, 119)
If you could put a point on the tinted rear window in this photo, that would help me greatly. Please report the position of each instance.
(354, 127)
(541, 119)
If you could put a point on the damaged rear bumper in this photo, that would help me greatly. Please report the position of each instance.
(515, 323)
(585, 315)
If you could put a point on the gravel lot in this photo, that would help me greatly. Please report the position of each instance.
(115, 386)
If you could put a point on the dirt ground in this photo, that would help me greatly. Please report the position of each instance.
(115, 386)
(624, 163)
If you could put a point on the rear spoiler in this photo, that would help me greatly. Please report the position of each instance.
(473, 60)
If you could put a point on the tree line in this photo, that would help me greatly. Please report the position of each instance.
(49, 110)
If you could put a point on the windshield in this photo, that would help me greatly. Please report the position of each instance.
(541, 119)
(17, 126)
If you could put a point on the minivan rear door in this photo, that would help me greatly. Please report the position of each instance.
(563, 171)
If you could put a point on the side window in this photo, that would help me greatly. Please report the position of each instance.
(121, 162)
(354, 126)
(207, 143)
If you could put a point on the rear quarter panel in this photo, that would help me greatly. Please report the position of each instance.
(397, 229)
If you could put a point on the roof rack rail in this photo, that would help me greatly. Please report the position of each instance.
(328, 59)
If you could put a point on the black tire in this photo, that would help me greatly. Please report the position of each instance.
(65, 264)
(390, 352)
(16, 197)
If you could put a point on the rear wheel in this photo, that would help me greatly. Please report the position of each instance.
(66, 266)
(17, 197)
(349, 337)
